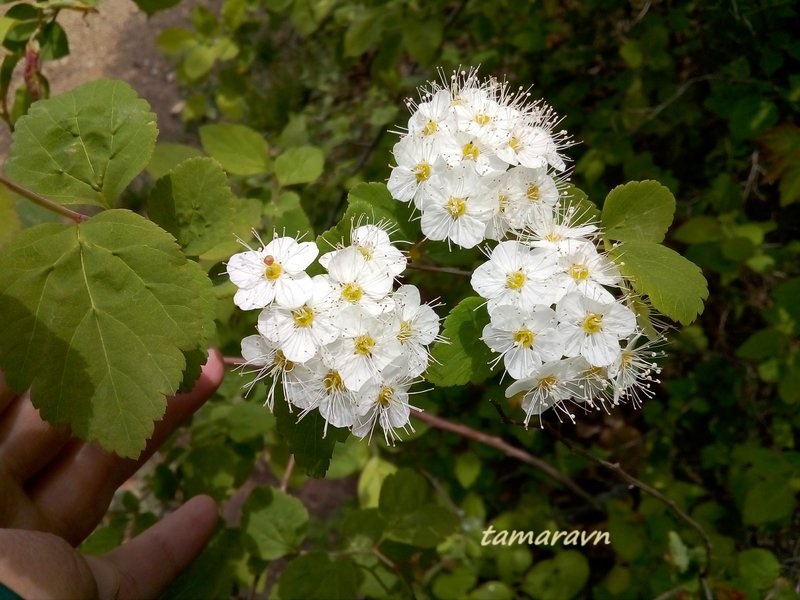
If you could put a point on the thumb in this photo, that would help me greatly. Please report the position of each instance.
(38, 565)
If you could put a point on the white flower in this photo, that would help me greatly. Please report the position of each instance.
(366, 347)
(456, 209)
(549, 386)
(593, 329)
(635, 370)
(433, 120)
(468, 150)
(586, 271)
(359, 282)
(275, 272)
(516, 275)
(270, 362)
(321, 387)
(301, 331)
(591, 383)
(415, 326)
(552, 229)
(524, 337)
(374, 244)
(533, 193)
(417, 161)
(385, 403)
(527, 146)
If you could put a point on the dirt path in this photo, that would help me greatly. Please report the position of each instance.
(119, 42)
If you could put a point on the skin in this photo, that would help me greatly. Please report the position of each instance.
(54, 490)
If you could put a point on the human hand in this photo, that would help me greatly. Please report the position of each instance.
(54, 489)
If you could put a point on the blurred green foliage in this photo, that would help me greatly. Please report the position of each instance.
(701, 96)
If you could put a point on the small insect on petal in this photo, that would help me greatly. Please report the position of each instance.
(269, 259)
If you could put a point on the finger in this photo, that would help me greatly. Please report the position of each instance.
(41, 565)
(150, 561)
(74, 491)
(27, 442)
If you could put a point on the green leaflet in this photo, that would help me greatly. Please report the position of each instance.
(239, 149)
(98, 320)
(84, 146)
(299, 165)
(639, 211)
(194, 203)
(462, 358)
(558, 578)
(675, 285)
(274, 523)
(317, 575)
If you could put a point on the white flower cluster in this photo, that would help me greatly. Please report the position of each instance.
(480, 162)
(477, 160)
(345, 342)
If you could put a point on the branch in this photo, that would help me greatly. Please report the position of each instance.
(647, 489)
(42, 201)
(287, 474)
(435, 269)
(507, 449)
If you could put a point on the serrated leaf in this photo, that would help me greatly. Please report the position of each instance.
(318, 575)
(675, 285)
(98, 318)
(84, 146)
(311, 450)
(273, 522)
(463, 358)
(239, 149)
(167, 156)
(194, 203)
(299, 165)
(286, 215)
(639, 211)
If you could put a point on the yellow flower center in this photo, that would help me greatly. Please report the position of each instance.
(430, 128)
(482, 119)
(303, 317)
(593, 323)
(548, 382)
(514, 144)
(422, 172)
(553, 237)
(627, 358)
(502, 200)
(364, 345)
(579, 272)
(524, 337)
(282, 362)
(470, 151)
(515, 280)
(456, 207)
(273, 271)
(366, 252)
(333, 382)
(352, 292)
(533, 193)
(385, 396)
(405, 332)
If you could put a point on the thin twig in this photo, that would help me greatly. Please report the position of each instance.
(648, 489)
(287, 474)
(42, 201)
(435, 269)
(508, 450)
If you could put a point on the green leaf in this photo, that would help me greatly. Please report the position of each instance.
(299, 165)
(98, 319)
(639, 211)
(84, 146)
(167, 156)
(768, 501)
(675, 285)
(239, 149)
(10, 224)
(198, 61)
(402, 493)
(318, 575)
(454, 585)
(364, 33)
(758, 567)
(173, 41)
(273, 522)
(559, 578)
(371, 481)
(305, 438)
(214, 469)
(678, 552)
(150, 7)
(374, 201)
(492, 590)
(468, 467)
(248, 421)
(194, 203)
(286, 215)
(462, 359)
(578, 207)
